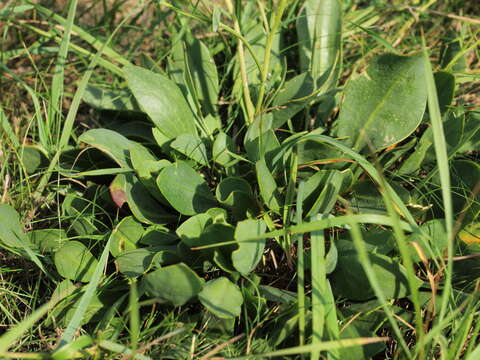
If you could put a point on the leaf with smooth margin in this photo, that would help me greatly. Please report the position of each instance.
(126, 235)
(268, 187)
(75, 262)
(175, 283)
(192, 147)
(319, 31)
(113, 100)
(294, 96)
(12, 235)
(222, 147)
(162, 100)
(111, 143)
(48, 240)
(248, 254)
(222, 297)
(195, 56)
(373, 114)
(185, 190)
(147, 167)
(349, 279)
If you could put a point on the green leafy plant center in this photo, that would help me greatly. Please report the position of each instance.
(239, 180)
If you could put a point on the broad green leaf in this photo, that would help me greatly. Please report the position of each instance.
(194, 57)
(217, 233)
(319, 31)
(134, 263)
(277, 295)
(471, 137)
(162, 100)
(191, 230)
(147, 167)
(158, 235)
(218, 215)
(75, 262)
(373, 114)
(356, 330)
(63, 313)
(185, 190)
(77, 209)
(125, 235)
(268, 187)
(126, 188)
(377, 240)
(366, 197)
(33, 158)
(110, 142)
(431, 235)
(175, 283)
(114, 100)
(192, 147)
(412, 164)
(260, 139)
(222, 297)
(230, 185)
(11, 233)
(249, 253)
(294, 96)
(445, 84)
(48, 240)
(349, 279)
(236, 194)
(64, 288)
(316, 183)
(470, 234)
(222, 147)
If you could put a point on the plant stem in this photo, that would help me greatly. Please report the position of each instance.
(277, 18)
(243, 69)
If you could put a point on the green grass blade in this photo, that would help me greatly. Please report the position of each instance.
(363, 162)
(300, 267)
(376, 37)
(87, 296)
(317, 225)
(319, 277)
(475, 354)
(440, 145)
(306, 349)
(72, 112)
(14, 333)
(377, 287)
(7, 129)
(59, 70)
(134, 315)
(84, 35)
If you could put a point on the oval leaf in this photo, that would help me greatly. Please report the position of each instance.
(75, 262)
(110, 142)
(192, 147)
(222, 297)
(249, 253)
(374, 112)
(349, 279)
(176, 284)
(185, 189)
(162, 100)
(125, 235)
